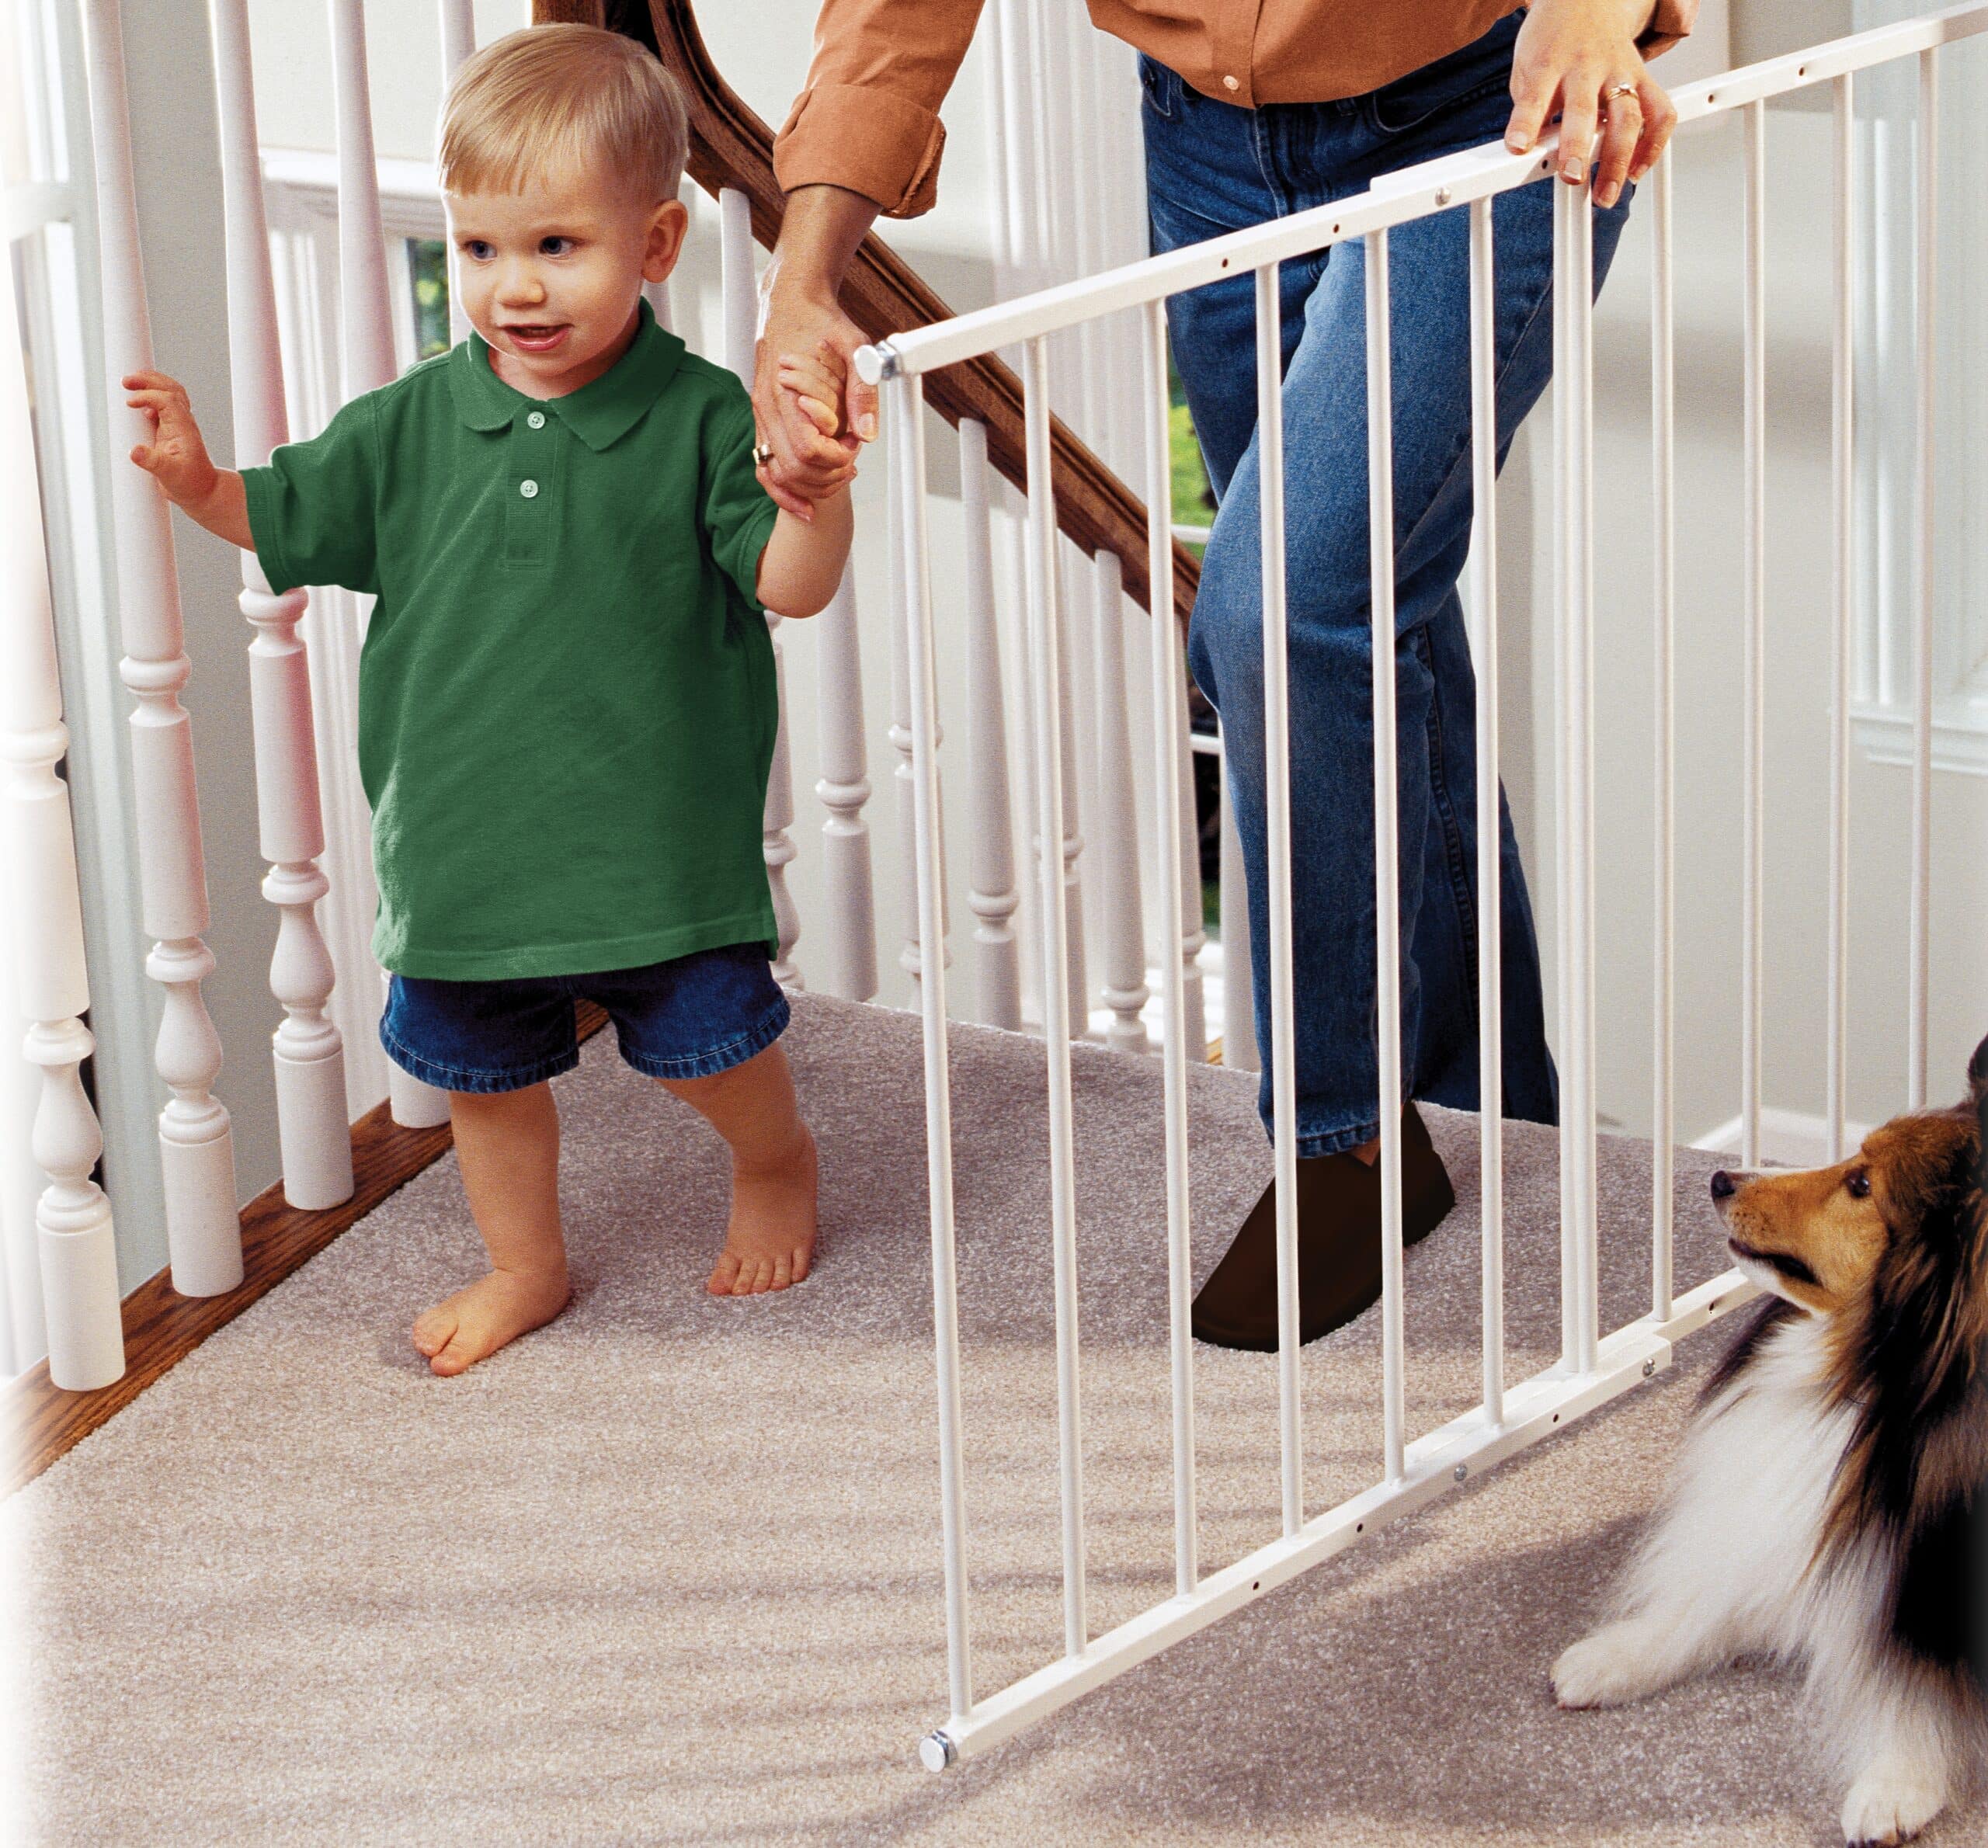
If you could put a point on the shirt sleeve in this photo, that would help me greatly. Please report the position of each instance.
(868, 118)
(1670, 21)
(311, 510)
(736, 512)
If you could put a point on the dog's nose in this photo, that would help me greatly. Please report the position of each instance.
(1723, 1185)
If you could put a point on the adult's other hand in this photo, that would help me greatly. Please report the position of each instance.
(1578, 60)
(799, 315)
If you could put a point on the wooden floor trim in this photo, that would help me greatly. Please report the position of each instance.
(162, 1327)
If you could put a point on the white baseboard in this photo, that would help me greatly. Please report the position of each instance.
(1788, 1138)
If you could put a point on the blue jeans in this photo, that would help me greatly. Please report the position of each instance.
(1212, 168)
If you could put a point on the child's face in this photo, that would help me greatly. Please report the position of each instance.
(550, 275)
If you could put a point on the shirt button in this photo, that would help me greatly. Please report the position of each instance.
(1229, 83)
(528, 489)
(537, 420)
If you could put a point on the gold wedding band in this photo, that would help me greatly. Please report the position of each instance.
(763, 453)
(1619, 89)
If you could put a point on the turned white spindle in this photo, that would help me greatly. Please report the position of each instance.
(365, 325)
(992, 892)
(1124, 919)
(76, 1245)
(1073, 840)
(310, 1052)
(850, 936)
(737, 289)
(196, 1142)
(1239, 1004)
(458, 41)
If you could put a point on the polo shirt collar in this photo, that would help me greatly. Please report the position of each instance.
(599, 414)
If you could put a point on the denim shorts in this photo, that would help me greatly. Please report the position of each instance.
(689, 1017)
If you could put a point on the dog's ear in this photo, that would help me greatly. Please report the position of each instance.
(1977, 1092)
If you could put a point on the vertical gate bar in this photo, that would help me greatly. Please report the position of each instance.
(1193, 930)
(1175, 1043)
(196, 1133)
(366, 354)
(1663, 471)
(907, 456)
(1562, 840)
(1925, 251)
(1580, 417)
(1387, 875)
(458, 41)
(992, 894)
(1753, 695)
(312, 1121)
(75, 1244)
(1484, 648)
(1843, 465)
(1277, 818)
(1573, 389)
(1046, 698)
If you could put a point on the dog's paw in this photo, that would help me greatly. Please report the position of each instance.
(1891, 1803)
(1616, 1665)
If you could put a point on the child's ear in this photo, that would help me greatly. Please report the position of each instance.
(669, 225)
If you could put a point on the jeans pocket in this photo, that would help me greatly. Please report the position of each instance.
(1449, 85)
(1161, 84)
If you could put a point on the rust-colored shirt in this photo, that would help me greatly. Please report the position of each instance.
(869, 117)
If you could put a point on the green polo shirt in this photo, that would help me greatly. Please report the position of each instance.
(566, 697)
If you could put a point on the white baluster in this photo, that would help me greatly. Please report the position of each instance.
(1073, 840)
(77, 1249)
(310, 1052)
(458, 41)
(1123, 920)
(993, 894)
(196, 1143)
(738, 290)
(844, 788)
(366, 352)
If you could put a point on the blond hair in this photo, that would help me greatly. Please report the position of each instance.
(550, 98)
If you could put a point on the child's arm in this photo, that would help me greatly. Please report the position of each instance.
(802, 564)
(177, 459)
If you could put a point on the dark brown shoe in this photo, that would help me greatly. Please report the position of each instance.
(1339, 1245)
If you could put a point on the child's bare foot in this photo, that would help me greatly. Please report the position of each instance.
(494, 1310)
(770, 1242)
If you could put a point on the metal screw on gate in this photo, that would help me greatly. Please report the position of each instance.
(936, 1752)
(1650, 1368)
(1461, 1471)
(1443, 195)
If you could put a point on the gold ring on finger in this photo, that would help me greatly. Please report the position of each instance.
(763, 453)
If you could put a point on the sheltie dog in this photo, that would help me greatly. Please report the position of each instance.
(1830, 1507)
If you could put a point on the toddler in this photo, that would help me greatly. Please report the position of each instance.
(567, 705)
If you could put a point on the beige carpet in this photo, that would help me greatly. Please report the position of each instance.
(668, 1570)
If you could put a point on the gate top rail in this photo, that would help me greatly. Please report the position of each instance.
(1478, 173)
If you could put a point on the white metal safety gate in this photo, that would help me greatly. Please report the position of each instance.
(1594, 1366)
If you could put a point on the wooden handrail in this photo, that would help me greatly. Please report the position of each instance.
(732, 147)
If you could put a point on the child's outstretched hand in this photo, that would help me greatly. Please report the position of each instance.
(177, 459)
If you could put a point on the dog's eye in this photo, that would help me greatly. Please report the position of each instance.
(1857, 1184)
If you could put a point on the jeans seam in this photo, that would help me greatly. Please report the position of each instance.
(1465, 441)
(714, 1059)
(1439, 794)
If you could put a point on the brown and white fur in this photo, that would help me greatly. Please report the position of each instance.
(1830, 1508)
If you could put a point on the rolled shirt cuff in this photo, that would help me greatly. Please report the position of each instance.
(1671, 20)
(866, 139)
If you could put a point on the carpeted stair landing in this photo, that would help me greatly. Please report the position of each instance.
(668, 1572)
